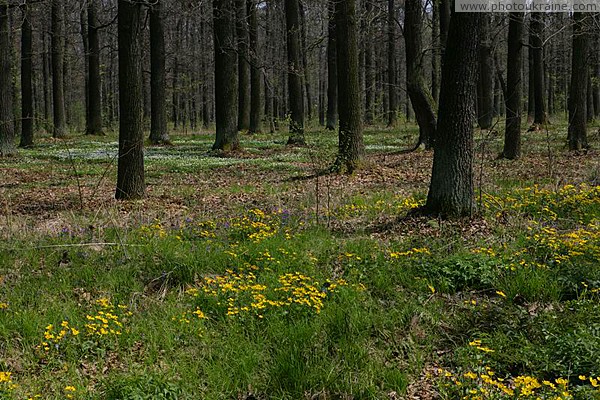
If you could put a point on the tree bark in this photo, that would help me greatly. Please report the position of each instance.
(256, 105)
(130, 170)
(226, 89)
(577, 134)
(369, 68)
(351, 145)
(392, 97)
(158, 118)
(26, 79)
(421, 99)
(295, 73)
(537, 48)
(332, 81)
(7, 127)
(241, 28)
(514, 88)
(451, 187)
(94, 122)
(58, 95)
(485, 98)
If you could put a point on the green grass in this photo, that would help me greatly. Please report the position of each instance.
(233, 280)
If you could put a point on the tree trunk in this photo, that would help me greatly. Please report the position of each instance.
(590, 100)
(421, 100)
(305, 69)
(46, 84)
(392, 97)
(332, 81)
(26, 79)
(256, 106)
(451, 187)
(295, 73)
(130, 170)
(369, 68)
(7, 127)
(58, 95)
(514, 88)
(94, 122)
(485, 98)
(226, 90)
(577, 135)
(596, 75)
(241, 28)
(351, 145)
(536, 31)
(435, 55)
(158, 118)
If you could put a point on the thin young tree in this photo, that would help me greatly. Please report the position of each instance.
(577, 133)
(226, 88)
(26, 78)
(58, 94)
(351, 145)
(7, 127)
(536, 27)
(295, 72)
(158, 117)
(130, 169)
(514, 88)
(451, 188)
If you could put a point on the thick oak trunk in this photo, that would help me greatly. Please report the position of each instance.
(332, 89)
(514, 88)
(7, 127)
(577, 135)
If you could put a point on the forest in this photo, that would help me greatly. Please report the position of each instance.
(298, 199)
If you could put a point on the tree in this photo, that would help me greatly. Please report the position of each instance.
(451, 187)
(577, 135)
(94, 112)
(332, 81)
(485, 86)
(58, 95)
(421, 100)
(351, 146)
(295, 72)
(537, 51)
(241, 28)
(391, 72)
(94, 96)
(26, 79)
(7, 128)
(158, 118)
(514, 88)
(227, 138)
(255, 71)
(130, 170)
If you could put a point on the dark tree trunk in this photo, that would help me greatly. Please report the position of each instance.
(420, 98)
(514, 88)
(305, 75)
(351, 145)
(536, 31)
(369, 46)
(332, 81)
(226, 89)
(577, 135)
(590, 100)
(596, 75)
(485, 98)
(530, 83)
(130, 174)
(58, 95)
(451, 187)
(26, 79)
(46, 83)
(94, 113)
(241, 28)
(435, 44)
(295, 73)
(7, 127)
(158, 117)
(255, 71)
(83, 23)
(392, 97)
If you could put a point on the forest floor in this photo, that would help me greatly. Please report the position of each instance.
(249, 278)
